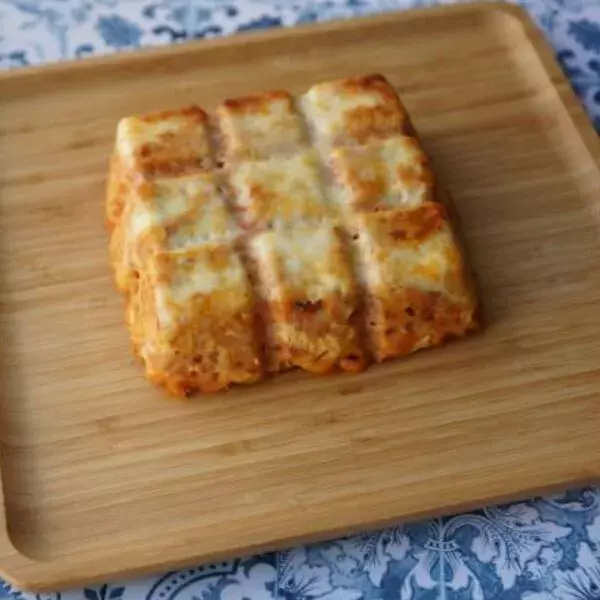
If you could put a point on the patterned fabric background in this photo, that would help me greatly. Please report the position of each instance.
(542, 549)
(38, 31)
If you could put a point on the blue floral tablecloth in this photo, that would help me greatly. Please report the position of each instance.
(541, 549)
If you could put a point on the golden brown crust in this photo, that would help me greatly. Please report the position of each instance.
(411, 319)
(317, 336)
(310, 303)
(259, 126)
(419, 288)
(356, 110)
(119, 180)
(410, 226)
(258, 103)
(192, 339)
(191, 113)
(386, 117)
(168, 143)
(118, 195)
(385, 174)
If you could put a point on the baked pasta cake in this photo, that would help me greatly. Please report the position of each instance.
(281, 233)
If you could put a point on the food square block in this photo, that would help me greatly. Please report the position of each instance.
(281, 192)
(418, 288)
(391, 173)
(310, 300)
(192, 320)
(260, 126)
(169, 142)
(355, 110)
(279, 233)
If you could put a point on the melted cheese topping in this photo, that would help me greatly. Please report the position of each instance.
(308, 287)
(181, 277)
(280, 192)
(188, 210)
(418, 294)
(393, 173)
(192, 318)
(416, 250)
(133, 133)
(165, 143)
(354, 110)
(308, 263)
(261, 125)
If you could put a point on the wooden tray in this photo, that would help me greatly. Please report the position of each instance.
(102, 476)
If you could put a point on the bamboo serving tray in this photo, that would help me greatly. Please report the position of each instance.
(103, 476)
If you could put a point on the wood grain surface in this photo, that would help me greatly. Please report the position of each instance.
(102, 476)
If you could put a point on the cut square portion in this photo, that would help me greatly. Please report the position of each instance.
(188, 211)
(260, 126)
(393, 173)
(418, 288)
(282, 192)
(165, 143)
(192, 320)
(310, 301)
(165, 214)
(355, 110)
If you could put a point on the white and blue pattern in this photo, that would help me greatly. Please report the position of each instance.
(543, 549)
(39, 31)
